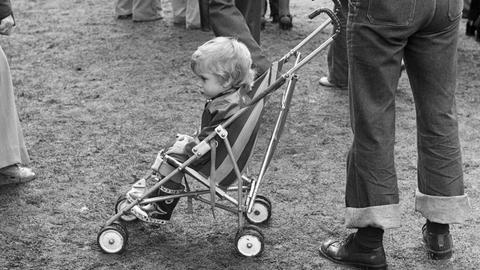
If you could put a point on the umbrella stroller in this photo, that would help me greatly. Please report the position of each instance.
(229, 147)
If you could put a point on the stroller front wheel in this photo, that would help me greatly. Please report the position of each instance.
(249, 241)
(113, 238)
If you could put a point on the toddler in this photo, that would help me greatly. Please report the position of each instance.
(223, 65)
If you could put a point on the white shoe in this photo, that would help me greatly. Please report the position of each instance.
(148, 213)
(325, 82)
(16, 174)
(138, 189)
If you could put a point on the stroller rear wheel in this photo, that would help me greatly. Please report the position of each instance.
(249, 241)
(113, 238)
(261, 211)
(121, 203)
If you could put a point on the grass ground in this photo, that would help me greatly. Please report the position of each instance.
(99, 97)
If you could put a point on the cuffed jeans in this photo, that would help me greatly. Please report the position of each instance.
(379, 34)
(337, 59)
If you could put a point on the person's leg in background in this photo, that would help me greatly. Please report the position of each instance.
(263, 21)
(466, 8)
(473, 20)
(226, 20)
(251, 11)
(440, 197)
(146, 10)
(337, 59)
(179, 9)
(274, 10)
(123, 9)
(285, 18)
(13, 151)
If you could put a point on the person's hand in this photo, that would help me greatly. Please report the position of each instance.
(6, 25)
(179, 146)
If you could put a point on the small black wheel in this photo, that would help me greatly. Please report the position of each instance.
(113, 239)
(249, 241)
(261, 211)
(121, 203)
(265, 199)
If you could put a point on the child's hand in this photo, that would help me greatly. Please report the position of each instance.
(181, 137)
(6, 25)
(179, 146)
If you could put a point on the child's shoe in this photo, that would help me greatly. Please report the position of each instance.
(137, 190)
(149, 213)
(160, 212)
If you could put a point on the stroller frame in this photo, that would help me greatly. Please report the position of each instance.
(113, 235)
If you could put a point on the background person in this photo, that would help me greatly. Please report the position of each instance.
(337, 59)
(240, 19)
(12, 146)
(473, 20)
(139, 10)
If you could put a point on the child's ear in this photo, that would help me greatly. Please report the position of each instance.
(227, 83)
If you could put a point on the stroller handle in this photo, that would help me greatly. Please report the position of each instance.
(331, 14)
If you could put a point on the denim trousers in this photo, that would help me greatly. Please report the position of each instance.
(337, 52)
(379, 34)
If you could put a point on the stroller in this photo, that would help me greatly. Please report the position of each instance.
(229, 146)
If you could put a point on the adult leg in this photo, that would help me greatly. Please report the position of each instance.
(123, 8)
(12, 145)
(473, 19)
(146, 10)
(372, 197)
(274, 10)
(440, 196)
(251, 11)
(285, 18)
(193, 14)
(376, 34)
(226, 20)
(337, 59)
(179, 9)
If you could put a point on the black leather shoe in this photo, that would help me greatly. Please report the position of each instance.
(439, 246)
(349, 253)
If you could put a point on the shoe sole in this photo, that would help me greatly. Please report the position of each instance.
(148, 219)
(12, 180)
(360, 265)
(435, 255)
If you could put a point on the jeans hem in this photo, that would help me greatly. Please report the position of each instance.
(442, 209)
(382, 216)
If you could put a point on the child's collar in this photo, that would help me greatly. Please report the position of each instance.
(227, 92)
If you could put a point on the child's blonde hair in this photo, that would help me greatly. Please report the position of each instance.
(227, 58)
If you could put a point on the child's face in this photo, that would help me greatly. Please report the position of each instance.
(212, 85)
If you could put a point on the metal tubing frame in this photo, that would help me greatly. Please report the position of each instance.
(273, 87)
(274, 139)
(150, 190)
